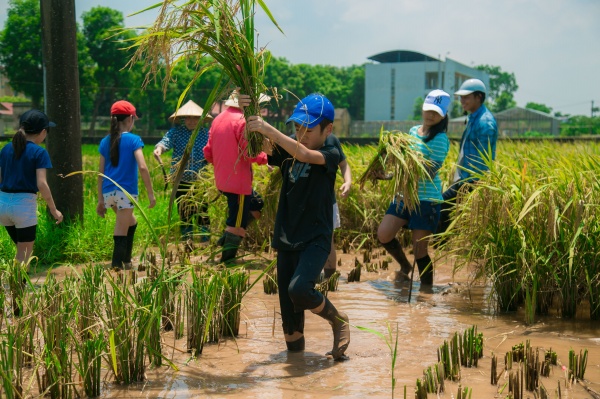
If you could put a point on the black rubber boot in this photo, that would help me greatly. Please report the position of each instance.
(129, 251)
(119, 252)
(296, 346)
(395, 249)
(340, 327)
(425, 270)
(231, 243)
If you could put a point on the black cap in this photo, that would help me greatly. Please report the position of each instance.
(34, 121)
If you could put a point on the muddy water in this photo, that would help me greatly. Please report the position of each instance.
(256, 364)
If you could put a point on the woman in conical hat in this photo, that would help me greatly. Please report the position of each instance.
(186, 120)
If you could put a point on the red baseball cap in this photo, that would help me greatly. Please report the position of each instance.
(123, 107)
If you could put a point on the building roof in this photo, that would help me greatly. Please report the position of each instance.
(401, 56)
(520, 112)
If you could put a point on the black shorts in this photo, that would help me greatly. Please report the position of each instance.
(240, 208)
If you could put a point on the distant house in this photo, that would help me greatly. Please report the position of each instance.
(397, 78)
(518, 121)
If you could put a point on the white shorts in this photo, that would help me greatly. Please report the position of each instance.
(118, 200)
(18, 209)
(336, 216)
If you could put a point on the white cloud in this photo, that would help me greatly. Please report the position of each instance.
(550, 45)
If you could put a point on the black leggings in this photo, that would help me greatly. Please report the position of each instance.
(297, 272)
(25, 234)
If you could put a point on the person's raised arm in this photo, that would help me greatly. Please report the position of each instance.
(42, 185)
(293, 147)
(145, 174)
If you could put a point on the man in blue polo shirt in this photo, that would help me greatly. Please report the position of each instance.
(477, 145)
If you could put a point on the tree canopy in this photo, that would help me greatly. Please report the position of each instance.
(503, 86)
(21, 49)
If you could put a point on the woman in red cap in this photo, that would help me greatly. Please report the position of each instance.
(23, 165)
(120, 158)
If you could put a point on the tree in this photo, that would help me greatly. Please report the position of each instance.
(456, 110)
(538, 107)
(21, 49)
(62, 103)
(103, 29)
(418, 109)
(503, 85)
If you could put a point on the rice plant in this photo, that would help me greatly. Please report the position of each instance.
(407, 166)
(235, 286)
(185, 32)
(11, 363)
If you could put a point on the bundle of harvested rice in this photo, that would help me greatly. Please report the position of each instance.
(184, 33)
(398, 160)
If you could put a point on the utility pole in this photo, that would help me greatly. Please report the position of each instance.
(61, 101)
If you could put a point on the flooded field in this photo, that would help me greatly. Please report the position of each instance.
(256, 364)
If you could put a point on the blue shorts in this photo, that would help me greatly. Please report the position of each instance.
(425, 217)
(240, 206)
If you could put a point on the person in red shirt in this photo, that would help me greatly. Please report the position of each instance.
(226, 150)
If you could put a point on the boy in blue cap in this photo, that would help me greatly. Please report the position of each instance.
(304, 222)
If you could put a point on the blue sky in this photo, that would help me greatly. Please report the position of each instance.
(550, 45)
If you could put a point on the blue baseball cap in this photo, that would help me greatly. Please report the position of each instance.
(438, 101)
(311, 110)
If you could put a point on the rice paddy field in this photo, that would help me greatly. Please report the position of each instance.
(522, 252)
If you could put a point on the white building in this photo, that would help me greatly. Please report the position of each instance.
(399, 77)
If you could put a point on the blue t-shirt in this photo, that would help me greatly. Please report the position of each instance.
(435, 150)
(126, 172)
(19, 175)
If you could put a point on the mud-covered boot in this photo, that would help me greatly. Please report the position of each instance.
(231, 243)
(395, 249)
(425, 270)
(340, 327)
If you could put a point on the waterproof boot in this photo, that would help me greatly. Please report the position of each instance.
(231, 243)
(395, 249)
(340, 327)
(204, 233)
(425, 270)
(130, 234)
(296, 346)
(119, 252)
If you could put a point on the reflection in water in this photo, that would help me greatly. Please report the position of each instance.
(256, 365)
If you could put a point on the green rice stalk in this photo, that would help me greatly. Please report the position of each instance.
(221, 29)
(56, 326)
(89, 367)
(11, 363)
(236, 285)
(270, 282)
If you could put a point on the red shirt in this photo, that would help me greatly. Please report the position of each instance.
(226, 150)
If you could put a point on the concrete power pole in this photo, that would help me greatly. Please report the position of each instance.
(61, 82)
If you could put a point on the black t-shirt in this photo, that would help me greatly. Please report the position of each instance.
(306, 199)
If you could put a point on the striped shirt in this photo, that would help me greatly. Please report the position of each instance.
(436, 151)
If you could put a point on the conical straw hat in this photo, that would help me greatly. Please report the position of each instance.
(232, 101)
(188, 109)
